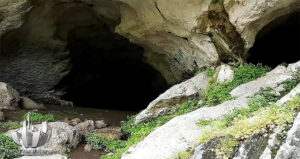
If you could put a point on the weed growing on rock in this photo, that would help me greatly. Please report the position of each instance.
(9, 125)
(8, 148)
(38, 117)
(217, 93)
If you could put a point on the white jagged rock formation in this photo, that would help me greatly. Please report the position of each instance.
(181, 132)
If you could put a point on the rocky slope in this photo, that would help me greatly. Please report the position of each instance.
(182, 133)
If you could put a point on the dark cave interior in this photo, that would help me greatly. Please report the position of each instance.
(108, 71)
(278, 42)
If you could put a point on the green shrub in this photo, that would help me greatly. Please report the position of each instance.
(217, 93)
(38, 117)
(290, 84)
(8, 125)
(8, 148)
(99, 143)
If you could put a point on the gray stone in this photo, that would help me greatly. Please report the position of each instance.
(225, 74)
(100, 124)
(63, 137)
(291, 148)
(27, 103)
(167, 102)
(85, 127)
(9, 98)
(57, 156)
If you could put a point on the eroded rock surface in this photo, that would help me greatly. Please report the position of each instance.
(168, 102)
(27, 103)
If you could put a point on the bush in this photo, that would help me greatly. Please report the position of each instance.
(8, 148)
(217, 93)
(8, 125)
(38, 117)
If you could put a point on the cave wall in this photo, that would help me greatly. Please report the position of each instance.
(178, 37)
(33, 53)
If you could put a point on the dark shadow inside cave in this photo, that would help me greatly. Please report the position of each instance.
(108, 71)
(278, 42)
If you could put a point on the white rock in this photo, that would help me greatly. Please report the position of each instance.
(85, 127)
(225, 74)
(9, 97)
(167, 102)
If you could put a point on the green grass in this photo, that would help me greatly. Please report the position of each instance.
(38, 117)
(8, 125)
(217, 93)
(136, 133)
(8, 148)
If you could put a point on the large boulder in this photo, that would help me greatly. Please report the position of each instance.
(9, 98)
(169, 101)
(63, 137)
(182, 132)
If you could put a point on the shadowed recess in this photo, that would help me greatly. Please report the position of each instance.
(278, 42)
(108, 71)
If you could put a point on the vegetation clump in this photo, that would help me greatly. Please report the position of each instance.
(8, 148)
(9, 125)
(38, 117)
(217, 93)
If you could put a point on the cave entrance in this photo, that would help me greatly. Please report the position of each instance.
(278, 42)
(108, 71)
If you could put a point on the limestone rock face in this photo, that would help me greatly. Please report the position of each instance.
(63, 136)
(167, 102)
(9, 97)
(190, 34)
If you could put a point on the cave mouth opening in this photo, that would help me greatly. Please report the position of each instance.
(108, 71)
(278, 42)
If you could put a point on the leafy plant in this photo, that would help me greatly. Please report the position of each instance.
(9, 125)
(38, 117)
(217, 93)
(8, 148)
